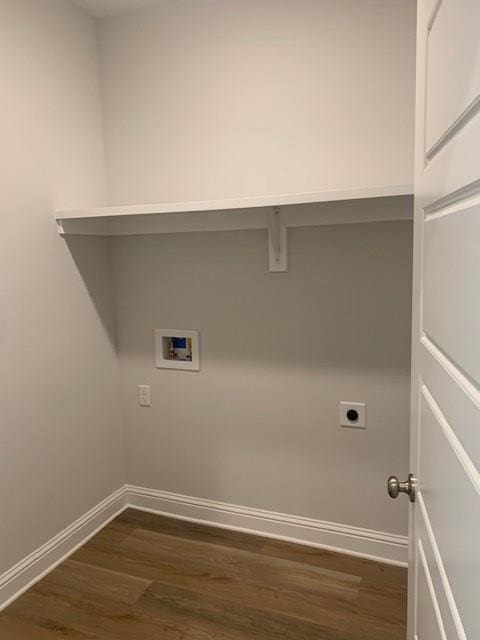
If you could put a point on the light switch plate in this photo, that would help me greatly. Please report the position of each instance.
(353, 414)
(144, 395)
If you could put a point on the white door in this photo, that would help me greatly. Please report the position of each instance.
(445, 451)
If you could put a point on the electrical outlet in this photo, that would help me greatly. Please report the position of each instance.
(144, 395)
(353, 414)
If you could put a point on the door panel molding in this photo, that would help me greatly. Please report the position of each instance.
(442, 574)
(450, 272)
(461, 122)
(454, 372)
(448, 203)
(453, 87)
(455, 444)
(450, 616)
(450, 500)
(431, 590)
(459, 403)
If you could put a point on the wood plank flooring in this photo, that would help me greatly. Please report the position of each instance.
(146, 577)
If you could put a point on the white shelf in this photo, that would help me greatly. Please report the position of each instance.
(304, 209)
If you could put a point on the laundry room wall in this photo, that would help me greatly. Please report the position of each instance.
(61, 448)
(258, 425)
(231, 98)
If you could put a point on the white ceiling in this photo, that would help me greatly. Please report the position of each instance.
(102, 8)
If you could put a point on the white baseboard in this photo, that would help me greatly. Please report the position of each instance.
(375, 545)
(36, 565)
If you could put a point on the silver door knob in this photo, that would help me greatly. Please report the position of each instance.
(394, 487)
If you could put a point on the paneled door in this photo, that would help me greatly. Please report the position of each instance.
(444, 561)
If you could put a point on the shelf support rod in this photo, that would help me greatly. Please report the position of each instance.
(277, 240)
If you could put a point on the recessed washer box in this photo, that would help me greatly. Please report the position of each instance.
(177, 349)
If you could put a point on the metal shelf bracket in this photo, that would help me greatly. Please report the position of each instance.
(277, 240)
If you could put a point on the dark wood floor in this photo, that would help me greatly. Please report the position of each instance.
(145, 577)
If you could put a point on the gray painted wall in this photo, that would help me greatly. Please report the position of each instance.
(60, 436)
(258, 425)
(210, 99)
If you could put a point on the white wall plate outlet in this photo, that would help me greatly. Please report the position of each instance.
(144, 395)
(353, 414)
